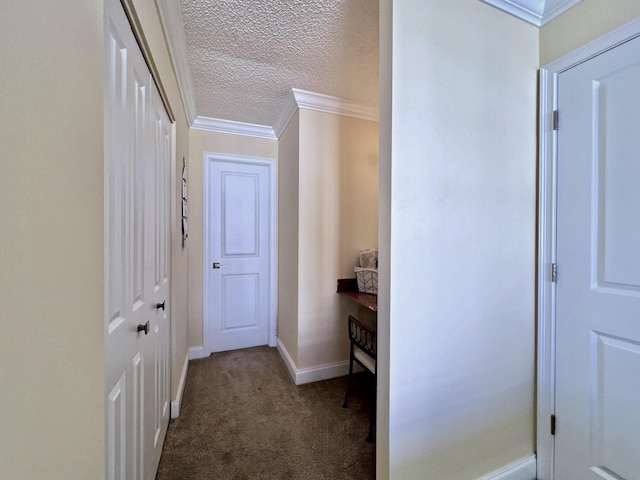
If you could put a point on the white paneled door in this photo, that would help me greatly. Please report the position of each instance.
(238, 296)
(157, 211)
(137, 176)
(598, 279)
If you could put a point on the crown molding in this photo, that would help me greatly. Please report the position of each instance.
(304, 100)
(536, 12)
(236, 128)
(171, 18)
(328, 104)
(286, 114)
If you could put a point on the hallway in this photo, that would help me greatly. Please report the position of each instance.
(243, 418)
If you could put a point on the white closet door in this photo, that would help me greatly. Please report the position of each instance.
(157, 387)
(137, 176)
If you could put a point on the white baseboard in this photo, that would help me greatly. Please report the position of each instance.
(197, 352)
(288, 361)
(312, 374)
(175, 404)
(523, 469)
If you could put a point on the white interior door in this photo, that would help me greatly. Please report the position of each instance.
(137, 149)
(157, 354)
(126, 305)
(238, 293)
(598, 257)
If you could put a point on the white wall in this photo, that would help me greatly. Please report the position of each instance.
(462, 179)
(384, 239)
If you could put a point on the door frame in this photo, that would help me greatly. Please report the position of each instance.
(547, 209)
(270, 163)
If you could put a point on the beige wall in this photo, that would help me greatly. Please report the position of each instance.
(201, 141)
(51, 238)
(150, 22)
(462, 180)
(582, 23)
(179, 266)
(338, 217)
(288, 224)
(51, 232)
(328, 188)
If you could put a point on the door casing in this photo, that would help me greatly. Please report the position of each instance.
(545, 445)
(270, 163)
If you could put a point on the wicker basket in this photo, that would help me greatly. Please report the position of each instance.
(367, 280)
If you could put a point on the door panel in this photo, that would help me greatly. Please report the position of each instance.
(238, 300)
(126, 102)
(117, 440)
(137, 176)
(157, 192)
(241, 297)
(616, 396)
(617, 187)
(598, 306)
(240, 213)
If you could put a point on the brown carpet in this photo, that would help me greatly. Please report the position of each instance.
(242, 417)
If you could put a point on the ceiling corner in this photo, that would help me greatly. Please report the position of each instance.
(286, 114)
(536, 12)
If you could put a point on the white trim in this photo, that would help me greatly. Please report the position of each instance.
(235, 128)
(270, 163)
(623, 34)
(563, 6)
(288, 361)
(305, 100)
(196, 353)
(339, 106)
(524, 469)
(298, 99)
(286, 114)
(532, 11)
(545, 442)
(171, 18)
(312, 374)
(547, 233)
(175, 404)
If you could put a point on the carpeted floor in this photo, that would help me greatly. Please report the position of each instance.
(242, 418)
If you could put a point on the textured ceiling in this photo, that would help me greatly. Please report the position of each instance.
(246, 55)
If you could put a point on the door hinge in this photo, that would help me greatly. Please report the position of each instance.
(553, 424)
(554, 272)
(555, 119)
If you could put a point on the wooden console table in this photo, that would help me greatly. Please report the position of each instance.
(348, 287)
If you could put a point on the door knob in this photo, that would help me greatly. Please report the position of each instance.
(160, 305)
(144, 328)
(219, 265)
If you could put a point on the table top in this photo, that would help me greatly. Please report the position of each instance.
(348, 287)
